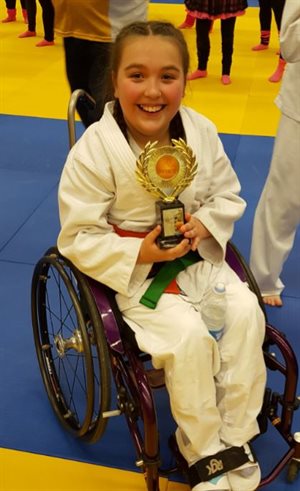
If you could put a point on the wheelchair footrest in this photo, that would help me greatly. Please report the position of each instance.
(213, 465)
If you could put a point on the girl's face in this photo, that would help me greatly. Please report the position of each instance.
(150, 85)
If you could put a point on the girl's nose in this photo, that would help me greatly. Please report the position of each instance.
(152, 89)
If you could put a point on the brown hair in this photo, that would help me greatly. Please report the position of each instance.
(150, 28)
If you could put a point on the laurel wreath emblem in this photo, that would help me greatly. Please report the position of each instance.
(188, 163)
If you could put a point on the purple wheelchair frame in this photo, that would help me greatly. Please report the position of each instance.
(145, 381)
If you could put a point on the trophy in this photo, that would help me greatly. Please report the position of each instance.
(165, 172)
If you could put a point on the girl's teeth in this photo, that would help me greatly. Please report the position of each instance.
(151, 109)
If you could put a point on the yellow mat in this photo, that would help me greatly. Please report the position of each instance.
(20, 471)
(33, 81)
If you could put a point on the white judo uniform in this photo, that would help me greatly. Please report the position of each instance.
(216, 389)
(278, 211)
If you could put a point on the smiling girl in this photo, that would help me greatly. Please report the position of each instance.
(109, 231)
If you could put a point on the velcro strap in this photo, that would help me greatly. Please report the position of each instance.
(219, 463)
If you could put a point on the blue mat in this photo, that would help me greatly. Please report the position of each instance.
(29, 225)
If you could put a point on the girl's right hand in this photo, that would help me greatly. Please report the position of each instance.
(151, 253)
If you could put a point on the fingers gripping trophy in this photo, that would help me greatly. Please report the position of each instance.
(165, 172)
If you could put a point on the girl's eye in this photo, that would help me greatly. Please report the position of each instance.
(136, 76)
(168, 76)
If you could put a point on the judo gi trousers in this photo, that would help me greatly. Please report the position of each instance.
(278, 212)
(216, 388)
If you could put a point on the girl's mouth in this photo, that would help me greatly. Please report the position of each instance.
(151, 109)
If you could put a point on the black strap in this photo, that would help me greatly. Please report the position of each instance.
(219, 463)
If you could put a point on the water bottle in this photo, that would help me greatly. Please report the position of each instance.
(214, 310)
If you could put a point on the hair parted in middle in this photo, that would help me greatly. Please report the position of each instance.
(144, 29)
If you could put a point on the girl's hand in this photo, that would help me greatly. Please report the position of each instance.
(194, 230)
(151, 253)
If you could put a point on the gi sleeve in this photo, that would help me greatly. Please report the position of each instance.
(86, 238)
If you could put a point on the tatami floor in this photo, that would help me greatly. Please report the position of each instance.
(35, 453)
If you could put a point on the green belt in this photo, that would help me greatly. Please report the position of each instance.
(166, 274)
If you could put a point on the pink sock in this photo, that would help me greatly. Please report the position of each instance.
(44, 42)
(277, 75)
(225, 79)
(189, 21)
(197, 74)
(27, 34)
(260, 47)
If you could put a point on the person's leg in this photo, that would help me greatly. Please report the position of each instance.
(11, 11)
(24, 11)
(203, 48)
(188, 22)
(265, 18)
(227, 32)
(173, 334)
(277, 6)
(86, 65)
(48, 23)
(240, 392)
(278, 212)
(31, 15)
(75, 63)
(215, 397)
(99, 55)
(278, 74)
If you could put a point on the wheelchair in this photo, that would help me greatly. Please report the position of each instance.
(82, 343)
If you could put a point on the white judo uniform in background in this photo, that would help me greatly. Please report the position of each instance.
(278, 211)
(216, 389)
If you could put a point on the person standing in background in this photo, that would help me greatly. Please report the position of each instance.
(265, 19)
(278, 212)
(205, 13)
(48, 22)
(88, 28)
(12, 11)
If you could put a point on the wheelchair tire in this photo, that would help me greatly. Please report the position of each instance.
(70, 344)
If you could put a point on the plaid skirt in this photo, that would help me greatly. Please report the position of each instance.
(216, 8)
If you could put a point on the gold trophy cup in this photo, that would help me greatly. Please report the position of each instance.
(165, 172)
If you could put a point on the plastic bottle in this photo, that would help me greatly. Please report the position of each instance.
(214, 310)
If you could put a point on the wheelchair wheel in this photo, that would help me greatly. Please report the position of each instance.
(71, 346)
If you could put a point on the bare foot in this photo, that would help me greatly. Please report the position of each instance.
(273, 300)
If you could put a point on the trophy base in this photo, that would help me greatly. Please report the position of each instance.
(168, 242)
(170, 216)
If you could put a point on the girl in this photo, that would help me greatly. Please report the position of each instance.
(205, 13)
(109, 231)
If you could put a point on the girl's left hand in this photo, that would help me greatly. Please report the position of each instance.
(194, 230)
